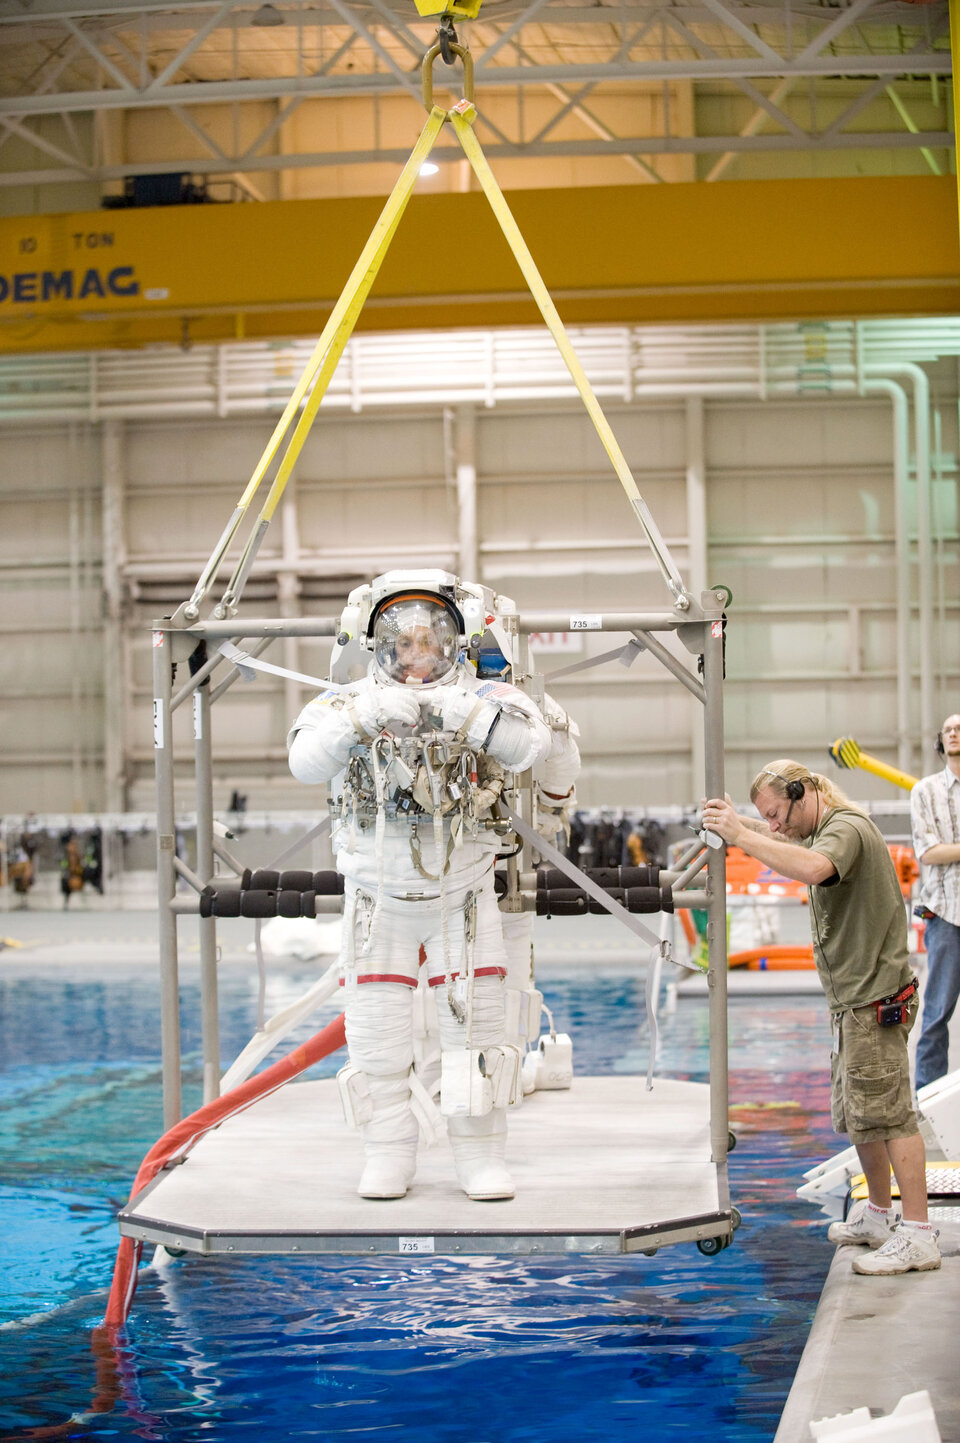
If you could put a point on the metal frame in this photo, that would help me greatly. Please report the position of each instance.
(700, 629)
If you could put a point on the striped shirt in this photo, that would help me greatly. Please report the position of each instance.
(935, 819)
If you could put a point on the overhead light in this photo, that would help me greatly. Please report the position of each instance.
(428, 168)
(267, 15)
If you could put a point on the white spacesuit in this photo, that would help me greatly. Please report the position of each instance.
(416, 753)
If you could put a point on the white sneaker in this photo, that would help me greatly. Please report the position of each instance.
(907, 1251)
(863, 1226)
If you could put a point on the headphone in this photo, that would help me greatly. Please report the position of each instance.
(794, 787)
(938, 745)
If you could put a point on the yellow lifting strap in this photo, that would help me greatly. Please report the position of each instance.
(326, 355)
(461, 121)
(343, 319)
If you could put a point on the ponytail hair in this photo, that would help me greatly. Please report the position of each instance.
(777, 775)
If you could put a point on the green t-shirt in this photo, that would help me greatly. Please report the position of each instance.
(858, 921)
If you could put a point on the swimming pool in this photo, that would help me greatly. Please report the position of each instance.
(475, 1350)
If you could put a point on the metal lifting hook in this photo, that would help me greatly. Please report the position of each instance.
(447, 48)
(446, 39)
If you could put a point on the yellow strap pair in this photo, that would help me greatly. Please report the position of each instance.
(343, 318)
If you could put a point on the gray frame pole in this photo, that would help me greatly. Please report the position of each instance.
(717, 880)
(166, 878)
(209, 1000)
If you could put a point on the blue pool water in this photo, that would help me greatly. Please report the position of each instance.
(487, 1350)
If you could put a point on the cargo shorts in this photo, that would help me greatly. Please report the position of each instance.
(871, 1098)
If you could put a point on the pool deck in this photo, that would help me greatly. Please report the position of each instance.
(874, 1340)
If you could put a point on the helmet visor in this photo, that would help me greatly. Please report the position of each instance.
(415, 641)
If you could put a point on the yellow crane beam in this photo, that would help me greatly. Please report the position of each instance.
(732, 252)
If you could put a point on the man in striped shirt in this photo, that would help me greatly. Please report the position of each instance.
(935, 819)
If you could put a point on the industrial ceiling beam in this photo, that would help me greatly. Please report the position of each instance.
(627, 146)
(125, 56)
(129, 97)
(775, 15)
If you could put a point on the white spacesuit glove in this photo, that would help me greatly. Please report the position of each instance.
(460, 709)
(509, 736)
(375, 708)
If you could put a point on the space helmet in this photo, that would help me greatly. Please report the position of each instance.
(416, 638)
(419, 623)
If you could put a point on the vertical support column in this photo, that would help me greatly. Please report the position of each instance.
(288, 596)
(76, 601)
(166, 878)
(465, 447)
(209, 1002)
(697, 559)
(716, 874)
(114, 669)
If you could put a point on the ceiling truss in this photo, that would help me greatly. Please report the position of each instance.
(815, 77)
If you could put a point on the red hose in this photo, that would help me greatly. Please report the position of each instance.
(181, 1137)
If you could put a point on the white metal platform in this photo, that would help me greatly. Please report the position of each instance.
(606, 1167)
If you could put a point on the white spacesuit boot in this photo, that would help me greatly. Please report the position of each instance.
(389, 1139)
(375, 1088)
(479, 1146)
(478, 1141)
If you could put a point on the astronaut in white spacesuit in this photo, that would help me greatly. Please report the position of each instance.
(416, 753)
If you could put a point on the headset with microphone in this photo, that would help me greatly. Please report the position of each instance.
(794, 788)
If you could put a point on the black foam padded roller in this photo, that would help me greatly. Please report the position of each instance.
(296, 881)
(288, 902)
(263, 880)
(258, 903)
(327, 884)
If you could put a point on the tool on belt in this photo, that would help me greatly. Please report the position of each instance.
(891, 1011)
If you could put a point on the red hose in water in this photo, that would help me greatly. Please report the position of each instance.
(181, 1137)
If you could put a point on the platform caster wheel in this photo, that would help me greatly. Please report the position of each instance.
(731, 1141)
(711, 1246)
(735, 1218)
(650, 1252)
(163, 1254)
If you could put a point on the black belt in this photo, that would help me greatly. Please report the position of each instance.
(901, 996)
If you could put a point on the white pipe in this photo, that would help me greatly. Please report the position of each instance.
(921, 418)
(288, 593)
(114, 671)
(939, 543)
(696, 557)
(902, 561)
(465, 454)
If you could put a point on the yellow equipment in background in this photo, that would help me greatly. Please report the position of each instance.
(459, 9)
(846, 753)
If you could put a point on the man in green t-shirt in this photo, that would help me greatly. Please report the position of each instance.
(811, 832)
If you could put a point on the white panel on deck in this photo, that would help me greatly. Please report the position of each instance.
(603, 1159)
